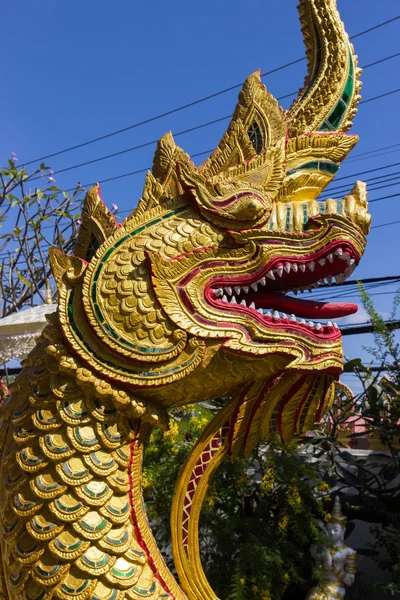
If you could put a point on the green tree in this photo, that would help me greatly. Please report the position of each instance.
(34, 215)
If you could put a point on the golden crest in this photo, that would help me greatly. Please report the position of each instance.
(192, 297)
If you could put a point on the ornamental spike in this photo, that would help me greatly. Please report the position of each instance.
(330, 95)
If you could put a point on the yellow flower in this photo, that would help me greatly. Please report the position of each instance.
(323, 487)
(283, 523)
(242, 581)
(268, 480)
(286, 577)
(294, 498)
(172, 433)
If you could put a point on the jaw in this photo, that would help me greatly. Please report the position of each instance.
(266, 294)
(244, 297)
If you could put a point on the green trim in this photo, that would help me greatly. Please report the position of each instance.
(336, 117)
(146, 374)
(99, 315)
(323, 166)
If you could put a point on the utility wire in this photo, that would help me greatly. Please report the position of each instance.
(179, 133)
(138, 171)
(205, 98)
(376, 150)
(124, 212)
(378, 180)
(368, 328)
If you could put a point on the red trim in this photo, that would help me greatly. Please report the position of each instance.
(235, 413)
(267, 388)
(322, 403)
(295, 388)
(138, 533)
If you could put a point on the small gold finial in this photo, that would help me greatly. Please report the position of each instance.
(337, 514)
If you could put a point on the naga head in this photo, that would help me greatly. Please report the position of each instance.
(194, 295)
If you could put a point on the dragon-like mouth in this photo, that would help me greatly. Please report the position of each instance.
(262, 295)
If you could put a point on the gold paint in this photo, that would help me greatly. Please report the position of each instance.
(136, 334)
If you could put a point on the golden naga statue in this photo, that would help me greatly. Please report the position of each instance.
(183, 302)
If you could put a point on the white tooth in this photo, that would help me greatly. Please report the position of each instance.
(318, 326)
(302, 289)
(228, 290)
(335, 326)
(302, 322)
(254, 286)
(352, 261)
(330, 258)
(310, 288)
(293, 318)
(310, 324)
(243, 302)
(284, 316)
(237, 289)
(321, 281)
(224, 298)
(311, 265)
(279, 271)
(252, 305)
(218, 292)
(295, 292)
(275, 315)
(287, 267)
(346, 256)
(295, 267)
(322, 261)
(340, 278)
(268, 314)
(246, 289)
(262, 281)
(329, 324)
(233, 300)
(260, 310)
(302, 267)
(271, 275)
(329, 279)
(339, 252)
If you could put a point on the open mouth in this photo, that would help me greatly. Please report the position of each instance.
(263, 295)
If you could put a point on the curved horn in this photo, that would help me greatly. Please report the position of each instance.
(330, 94)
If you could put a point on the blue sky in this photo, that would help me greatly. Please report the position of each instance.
(75, 71)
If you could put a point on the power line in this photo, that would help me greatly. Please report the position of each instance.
(375, 151)
(368, 328)
(136, 172)
(124, 212)
(185, 131)
(378, 180)
(385, 224)
(205, 98)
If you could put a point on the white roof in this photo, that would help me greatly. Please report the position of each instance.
(18, 331)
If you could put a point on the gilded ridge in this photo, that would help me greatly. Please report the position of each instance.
(192, 297)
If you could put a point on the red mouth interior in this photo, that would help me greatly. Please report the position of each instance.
(264, 293)
(307, 309)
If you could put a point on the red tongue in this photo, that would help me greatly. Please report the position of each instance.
(308, 309)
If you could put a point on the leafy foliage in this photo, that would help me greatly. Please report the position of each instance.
(260, 516)
(31, 220)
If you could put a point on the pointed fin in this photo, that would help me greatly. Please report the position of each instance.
(257, 125)
(97, 225)
(67, 270)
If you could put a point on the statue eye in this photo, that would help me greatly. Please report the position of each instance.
(255, 136)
